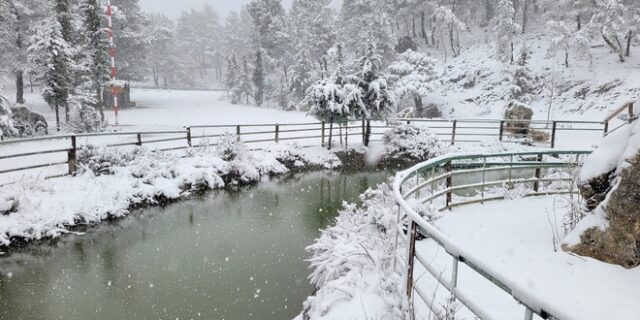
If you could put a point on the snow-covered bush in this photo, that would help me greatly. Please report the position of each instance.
(411, 75)
(85, 119)
(7, 128)
(356, 263)
(411, 143)
(101, 160)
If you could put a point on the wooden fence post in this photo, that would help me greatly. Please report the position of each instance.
(501, 134)
(72, 156)
(238, 132)
(453, 132)
(553, 134)
(322, 135)
(606, 128)
(139, 137)
(189, 143)
(277, 133)
(631, 113)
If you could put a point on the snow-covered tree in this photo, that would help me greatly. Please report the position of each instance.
(411, 75)
(525, 85)
(312, 26)
(270, 30)
(378, 100)
(244, 86)
(131, 39)
(237, 33)
(233, 72)
(199, 38)
(95, 50)
(52, 57)
(506, 29)
(367, 21)
(17, 18)
(325, 100)
(450, 27)
(258, 79)
(301, 75)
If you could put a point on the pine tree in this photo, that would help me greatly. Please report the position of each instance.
(301, 75)
(95, 49)
(244, 86)
(366, 21)
(131, 39)
(270, 28)
(313, 26)
(411, 77)
(231, 78)
(52, 57)
(377, 99)
(506, 28)
(258, 79)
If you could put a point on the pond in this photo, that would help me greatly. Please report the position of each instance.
(225, 255)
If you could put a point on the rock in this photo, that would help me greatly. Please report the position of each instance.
(595, 190)
(29, 123)
(620, 242)
(405, 44)
(522, 113)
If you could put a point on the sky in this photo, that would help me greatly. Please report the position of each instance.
(172, 8)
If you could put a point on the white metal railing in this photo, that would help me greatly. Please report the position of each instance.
(462, 179)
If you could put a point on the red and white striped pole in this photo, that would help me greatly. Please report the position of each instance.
(112, 54)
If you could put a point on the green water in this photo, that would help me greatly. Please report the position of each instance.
(227, 255)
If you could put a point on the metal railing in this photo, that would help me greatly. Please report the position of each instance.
(454, 180)
(631, 115)
(62, 150)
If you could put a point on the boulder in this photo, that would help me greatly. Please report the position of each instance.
(619, 243)
(521, 113)
(29, 123)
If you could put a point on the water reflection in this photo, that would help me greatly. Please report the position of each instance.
(229, 255)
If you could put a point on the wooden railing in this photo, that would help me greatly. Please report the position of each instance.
(33, 155)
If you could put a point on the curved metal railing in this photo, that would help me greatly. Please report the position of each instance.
(460, 179)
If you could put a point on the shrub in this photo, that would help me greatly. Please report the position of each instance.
(411, 143)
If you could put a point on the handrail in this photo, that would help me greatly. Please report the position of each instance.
(456, 132)
(629, 107)
(441, 171)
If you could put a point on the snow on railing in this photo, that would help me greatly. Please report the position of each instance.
(433, 186)
(630, 116)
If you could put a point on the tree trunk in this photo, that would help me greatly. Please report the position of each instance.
(525, 14)
(367, 135)
(66, 112)
(627, 52)
(330, 133)
(20, 86)
(31, 82)
(156, 77)
(413, 21)
(57, 108)
(417, 100)
(566, 58)
(579, 21)
(613, 46)
(100, 103)
(488, 11)
(422, 28)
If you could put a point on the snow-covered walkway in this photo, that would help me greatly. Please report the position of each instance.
(516, 237)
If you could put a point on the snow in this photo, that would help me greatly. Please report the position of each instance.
(515, 237)
(612, 152)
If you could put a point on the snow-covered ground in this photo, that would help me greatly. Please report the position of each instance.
(515, 237)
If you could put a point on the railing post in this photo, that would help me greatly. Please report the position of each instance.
(189, 143)
(631, 113)
(501, 134)
(139, 138)
(72, 156)
(408, 121)
(454, 276)
(536, 184)
(606, 128)
(453, 132)
(323, 126)
(528, 314)
(412, 251)
(238, 133)
(553, 134)
(449, 182)
(346, 136)
(277, 133)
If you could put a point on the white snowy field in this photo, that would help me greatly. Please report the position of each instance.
(516, 238)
